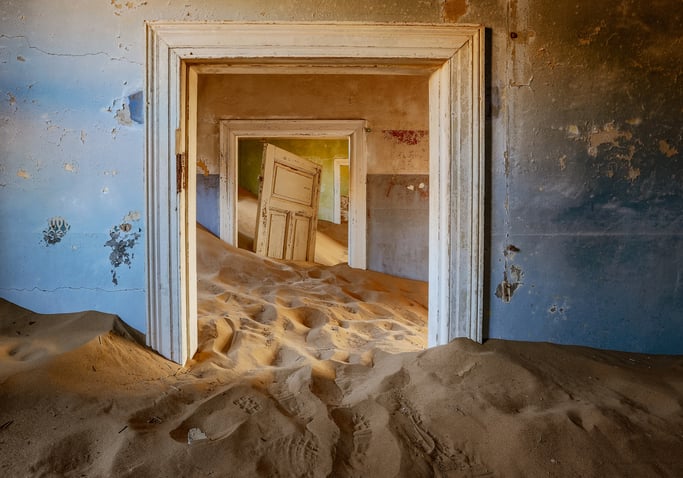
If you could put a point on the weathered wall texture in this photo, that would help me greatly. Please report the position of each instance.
(395, 108)
(584, 144)
(397, 114)
(587, 191)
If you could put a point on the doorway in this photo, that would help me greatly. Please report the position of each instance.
(452, 56)
(233, 130)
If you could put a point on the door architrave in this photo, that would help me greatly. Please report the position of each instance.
(231, 130)
(453, 57)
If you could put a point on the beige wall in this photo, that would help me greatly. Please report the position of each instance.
(395, 107)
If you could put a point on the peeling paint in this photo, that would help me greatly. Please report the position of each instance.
(607, 135)
(405, 136)
(22, 173)
(56, 229)
(666, 149)
(132, 216)
(573, 131)
(71, 167)
(122, 239)
(512, 279)
(512, 275)
(123, 115)
(201, 164)
(563, 162)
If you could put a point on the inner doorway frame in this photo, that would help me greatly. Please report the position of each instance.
(453, 57)
(231, 130)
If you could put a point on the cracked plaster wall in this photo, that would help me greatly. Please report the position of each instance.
(584, 148)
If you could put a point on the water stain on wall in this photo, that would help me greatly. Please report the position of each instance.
(56, 229)
(454, 9)
(122, 240)
(406, 136)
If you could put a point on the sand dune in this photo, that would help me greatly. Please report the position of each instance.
(315, 371)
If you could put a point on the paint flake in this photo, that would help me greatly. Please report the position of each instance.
(608, 135)
(666, 149)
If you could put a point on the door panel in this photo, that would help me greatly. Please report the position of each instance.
(288, 206)
(300, 242)
(292, 185)
(276, 239)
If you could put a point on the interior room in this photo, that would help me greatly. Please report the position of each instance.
(477, 271)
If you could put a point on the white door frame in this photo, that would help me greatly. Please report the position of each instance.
(452, 56)
(231, 130)
(336, 193)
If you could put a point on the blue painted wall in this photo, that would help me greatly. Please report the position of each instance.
(586, 193)
(584, 150)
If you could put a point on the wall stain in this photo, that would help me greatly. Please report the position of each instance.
(122, 239)
(405, 136)
(201, 164)
(56, 229)
(589, 37)
(454, 9)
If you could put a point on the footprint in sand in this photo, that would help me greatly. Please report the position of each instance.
(366, 446)
(437, 455)
(361, 434)
(248, 404)
(293, 455)
(219, 416)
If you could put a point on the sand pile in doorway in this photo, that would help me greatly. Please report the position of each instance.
(313, 371)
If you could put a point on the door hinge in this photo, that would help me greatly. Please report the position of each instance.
(180, 176)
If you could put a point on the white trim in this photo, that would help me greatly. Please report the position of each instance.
(451, 54)
(336, 193)
(233, 129)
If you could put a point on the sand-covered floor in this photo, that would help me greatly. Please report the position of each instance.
(313, 371)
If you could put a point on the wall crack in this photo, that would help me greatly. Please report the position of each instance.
(93, 289)
(76, 55)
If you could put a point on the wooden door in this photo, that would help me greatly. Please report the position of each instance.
(288, 206)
